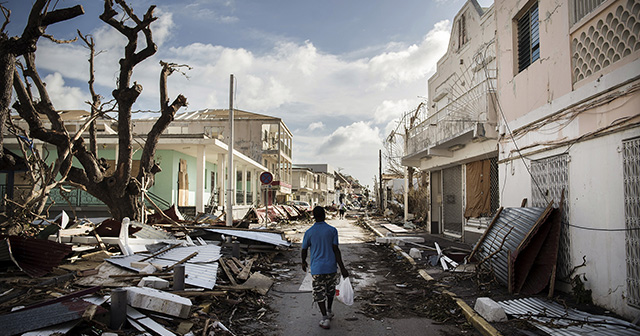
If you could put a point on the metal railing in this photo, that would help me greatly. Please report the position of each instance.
(457, 117)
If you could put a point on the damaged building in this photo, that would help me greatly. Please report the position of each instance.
(535, 102)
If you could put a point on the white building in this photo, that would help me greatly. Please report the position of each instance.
(568, 81)
(455, 141)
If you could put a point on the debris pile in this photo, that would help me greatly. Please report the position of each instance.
(170, 276)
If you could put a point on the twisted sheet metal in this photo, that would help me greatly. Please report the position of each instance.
(201, 270)
(555, 319)
(273, 238)
(507, 233)
(36, 257)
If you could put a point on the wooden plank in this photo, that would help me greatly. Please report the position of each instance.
(100, 242)
(181, 262)
(232, 266)
(227, 272)
(161, 252)
(246, 270)
(394, 228)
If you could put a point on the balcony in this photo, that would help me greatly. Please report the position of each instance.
(469, 117)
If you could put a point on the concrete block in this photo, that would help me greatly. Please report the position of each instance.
(415, 253)
(153, 282)
(158, 301)
(490, 310)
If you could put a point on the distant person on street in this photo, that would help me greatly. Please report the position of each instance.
(342, 209)
(322, 240)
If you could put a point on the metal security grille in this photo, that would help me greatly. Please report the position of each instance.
(495, 186)
(452, 200)
(631, 162)
(549, 177)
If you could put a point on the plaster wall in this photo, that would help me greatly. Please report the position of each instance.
(471, 152)
(545, 79)
(480, 31)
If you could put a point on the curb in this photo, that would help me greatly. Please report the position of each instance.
(479, 323)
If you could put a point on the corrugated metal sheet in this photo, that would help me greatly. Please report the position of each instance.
(26, 320)
(555, 319)
(265, 237)
(201, 270)
(35, 257)
(509, 231)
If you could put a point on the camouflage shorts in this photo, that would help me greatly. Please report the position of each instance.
(324, 286)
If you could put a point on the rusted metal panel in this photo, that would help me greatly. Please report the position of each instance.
(512, 244)
(27, 320)
(35, 257)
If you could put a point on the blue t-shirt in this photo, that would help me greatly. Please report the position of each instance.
(319, 239)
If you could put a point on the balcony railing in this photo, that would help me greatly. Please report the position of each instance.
(454, 119)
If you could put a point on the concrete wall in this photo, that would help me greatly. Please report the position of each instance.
(549, 114)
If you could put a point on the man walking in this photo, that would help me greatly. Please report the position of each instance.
(322, 240)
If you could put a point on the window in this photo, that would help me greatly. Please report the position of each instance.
(462, 32)
(528, 38)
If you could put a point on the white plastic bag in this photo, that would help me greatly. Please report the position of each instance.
(344, 291)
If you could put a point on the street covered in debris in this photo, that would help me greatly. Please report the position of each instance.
(205, 278)
(505, 199)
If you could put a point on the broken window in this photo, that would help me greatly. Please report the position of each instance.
(631, 178)
(528, 37)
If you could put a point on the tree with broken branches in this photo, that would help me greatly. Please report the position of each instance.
(119, 190)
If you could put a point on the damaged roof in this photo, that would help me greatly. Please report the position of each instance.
(201, 270)
(35, 257)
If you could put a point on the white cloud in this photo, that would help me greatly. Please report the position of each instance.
(64, 97)
(310, 90)
(353, 147)
(161, 28)
(319, 125)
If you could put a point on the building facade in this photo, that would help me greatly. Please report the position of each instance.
(264, 139)
(193, 174)
(568, 81)
(324, 190)
(454, 137)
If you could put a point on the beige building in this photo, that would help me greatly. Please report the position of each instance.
(302, 185)
(454, 138)
(193, 165)
(264, 139)
(568, 92)
(323, 184)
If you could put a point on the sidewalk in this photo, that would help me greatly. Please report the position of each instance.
(424, 270)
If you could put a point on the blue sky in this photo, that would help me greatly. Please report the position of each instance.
(339, 73)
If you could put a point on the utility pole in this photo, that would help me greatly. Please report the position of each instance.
(230, 177)
(380, 172)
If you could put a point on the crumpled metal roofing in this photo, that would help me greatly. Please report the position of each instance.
(545, 314)
(512, 231)
(265, 237)
(60, 312)
(200, 271)
(35, 257)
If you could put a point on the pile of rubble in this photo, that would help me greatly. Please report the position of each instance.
(172, 277)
